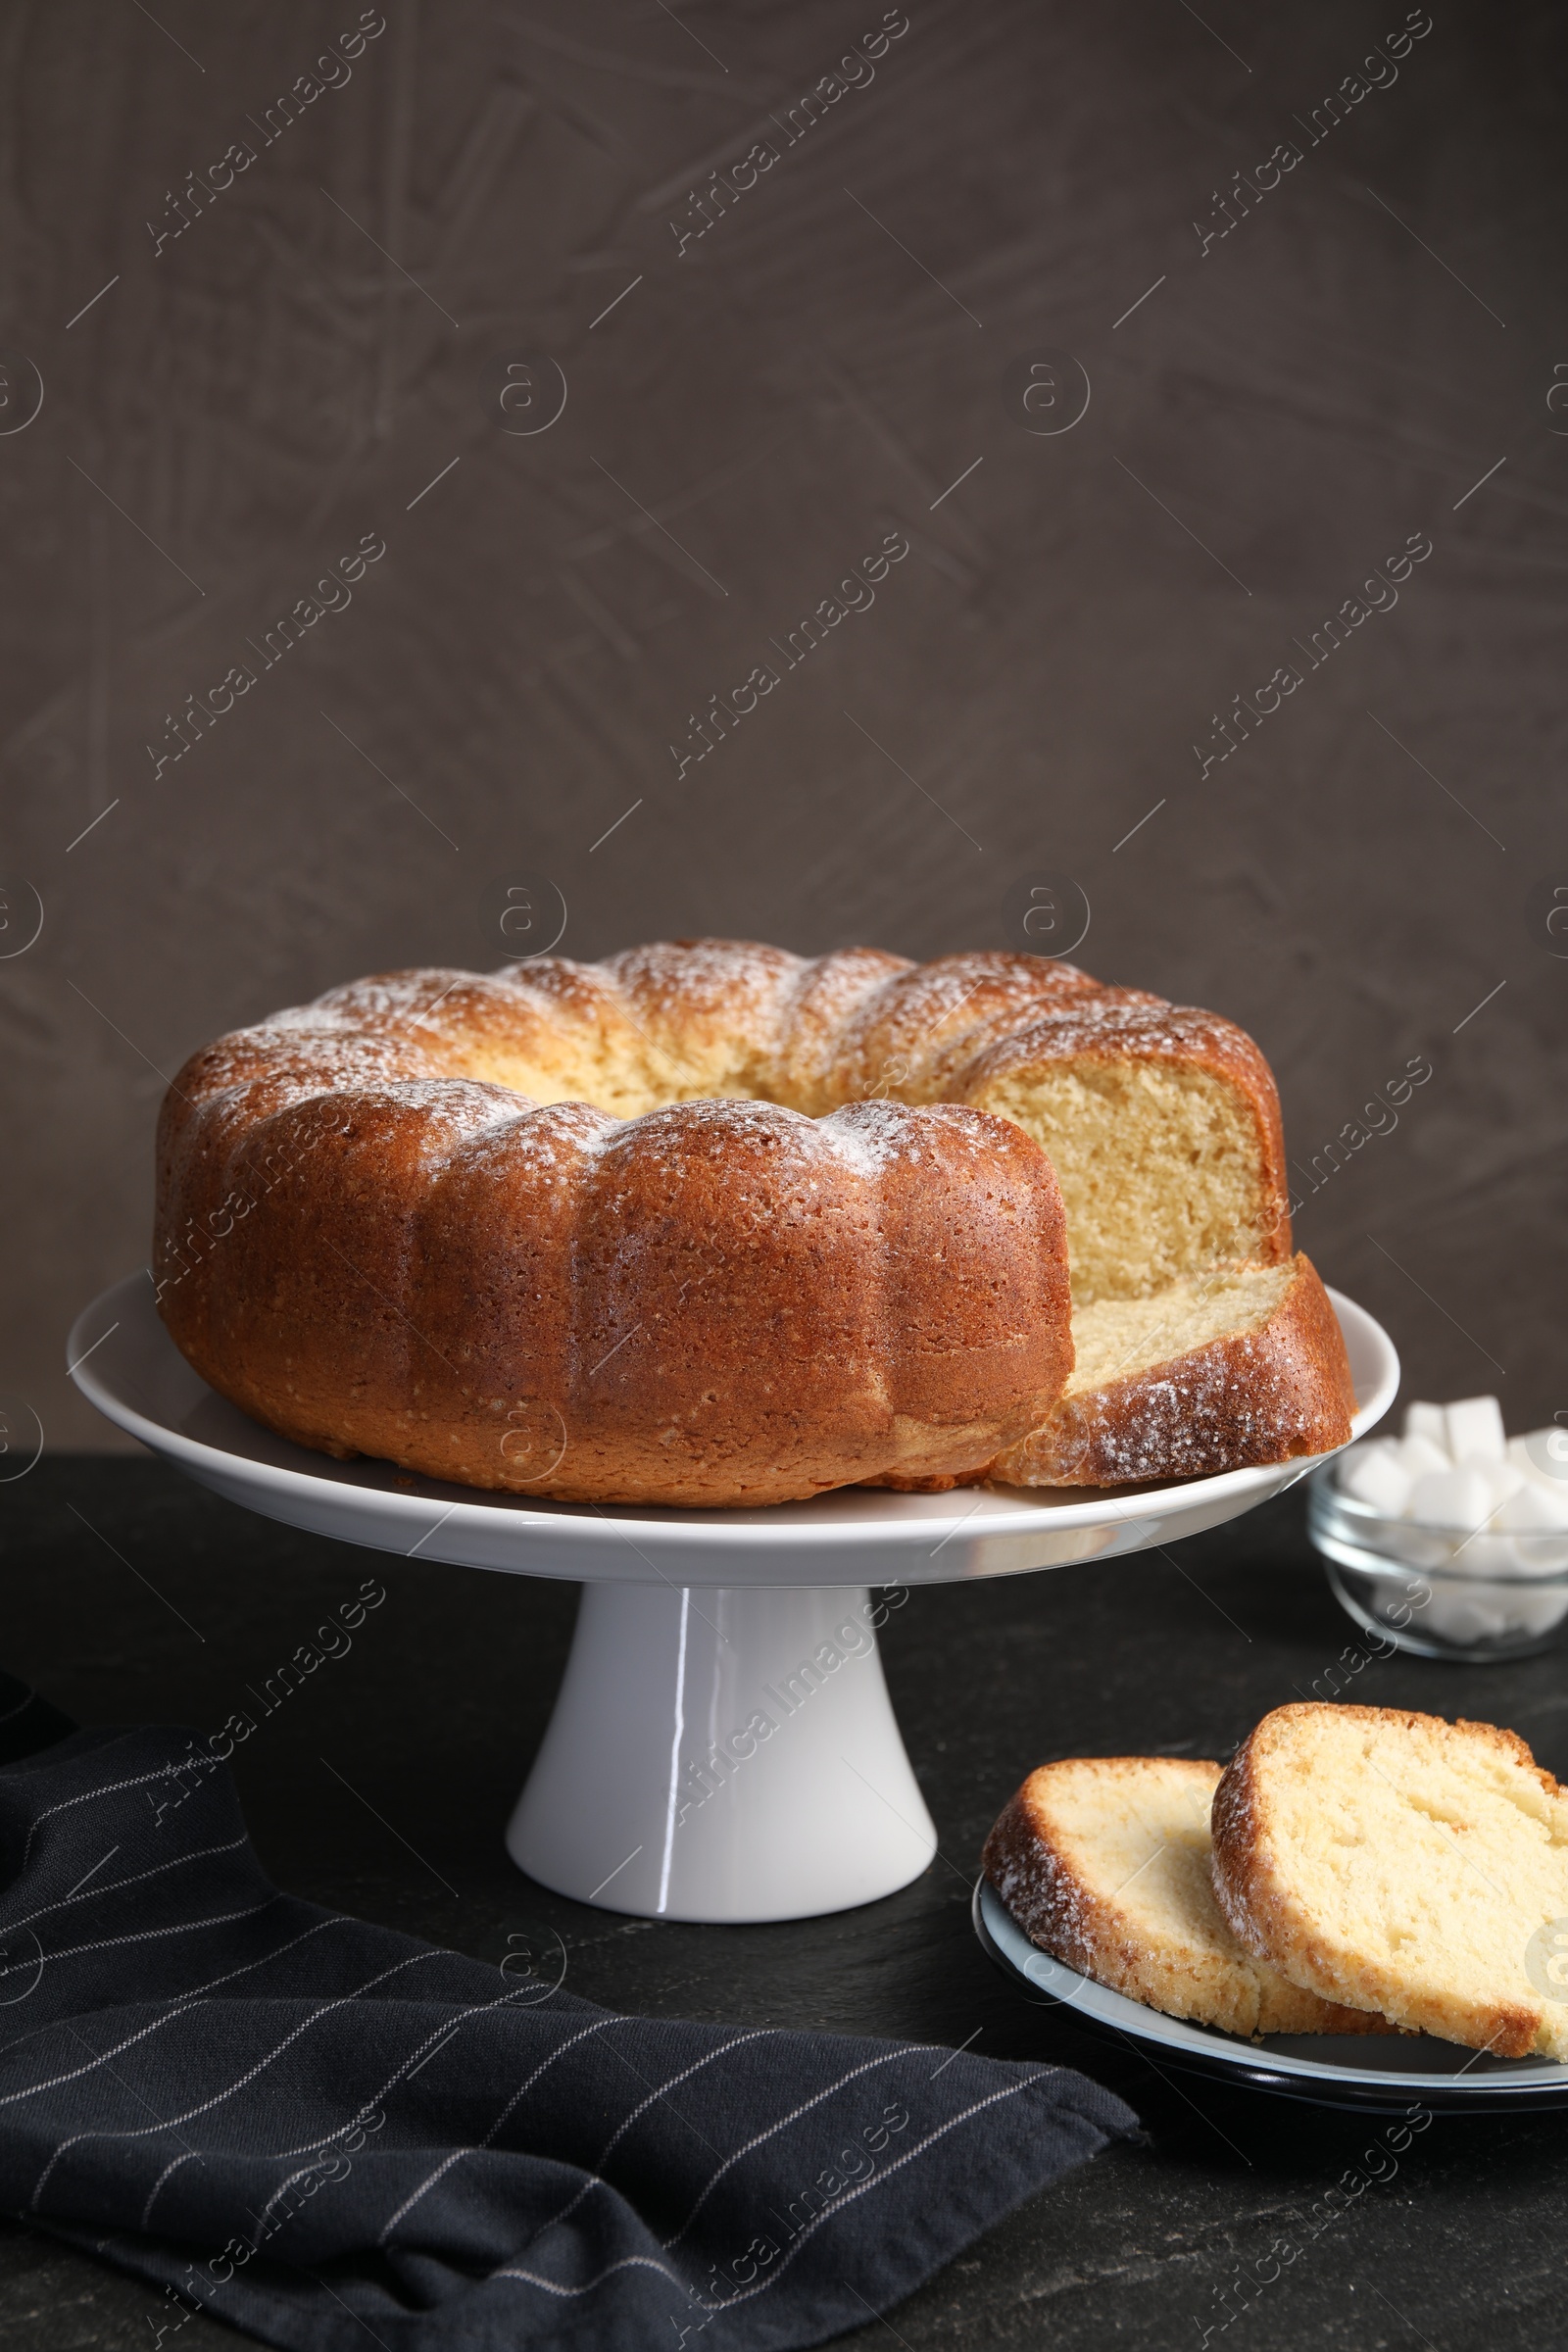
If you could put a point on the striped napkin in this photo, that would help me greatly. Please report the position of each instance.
(330, 2134)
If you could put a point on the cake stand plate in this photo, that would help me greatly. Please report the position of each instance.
(722, 1746)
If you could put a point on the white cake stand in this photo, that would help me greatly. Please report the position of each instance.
(722, 1746)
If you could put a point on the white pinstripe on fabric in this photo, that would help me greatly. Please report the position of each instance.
(152, 2194)
(184, 1927)
(217, 2100)
(10, 1927)
(368, 2108)
(91, 1797)
(828, 2213)
(455, 2155)
(596, 2178)
(74, 2074)
(301, 2172)
(876, 2179)
(443, 2031)
(627, 2262)
(187, 2000)
(902, 2049)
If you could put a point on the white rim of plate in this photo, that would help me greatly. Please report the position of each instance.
(1178, 2035)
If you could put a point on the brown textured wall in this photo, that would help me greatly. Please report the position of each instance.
(318, 359)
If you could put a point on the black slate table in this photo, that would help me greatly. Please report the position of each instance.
(382, 1786)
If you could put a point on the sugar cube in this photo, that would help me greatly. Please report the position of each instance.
(1375, 1476)
(1532, 1508)
(1427, 1421)
(1475, 1428)
(1451, 1498)
(1418, 1453)
(1518, 1452)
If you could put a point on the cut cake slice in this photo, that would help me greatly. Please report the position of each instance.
(1103, 1861)
(1403, 1864)
(1233, 1368)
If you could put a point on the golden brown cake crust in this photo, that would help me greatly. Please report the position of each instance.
(1267, 1914)
(1032, 1867)
(788, 1251)
(717, 1302)
(1264, 1396)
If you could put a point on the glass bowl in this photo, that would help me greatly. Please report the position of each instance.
(1439, 1591)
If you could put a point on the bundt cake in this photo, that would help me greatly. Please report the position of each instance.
(704, 1223)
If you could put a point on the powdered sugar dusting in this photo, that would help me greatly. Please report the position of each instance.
(704, 972)
(1125, 1019)
(785, 1022)
(873, 1135)
(715, 1128)
(912, 1032)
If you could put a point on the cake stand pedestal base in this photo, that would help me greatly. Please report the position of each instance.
(723, 1754)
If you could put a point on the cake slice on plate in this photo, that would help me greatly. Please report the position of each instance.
(1403, 1864)
(1103, 1861)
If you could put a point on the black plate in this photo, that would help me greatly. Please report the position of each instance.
(1326, 2070)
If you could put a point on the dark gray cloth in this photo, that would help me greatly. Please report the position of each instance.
(28, 1722)
(328, 2133)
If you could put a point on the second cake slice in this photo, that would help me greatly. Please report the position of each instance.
(1103, 1861)
(1411, 1864)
